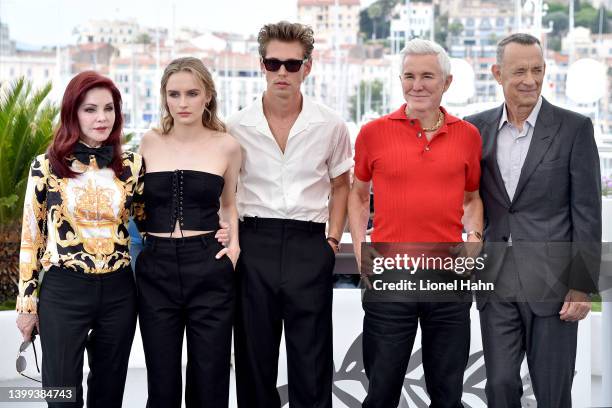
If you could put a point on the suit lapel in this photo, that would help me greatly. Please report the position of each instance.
(490, 132)
(543, 134)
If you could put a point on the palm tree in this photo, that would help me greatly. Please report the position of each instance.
(26, 129)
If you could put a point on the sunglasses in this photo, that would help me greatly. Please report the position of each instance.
(291, 65)
(21, 362)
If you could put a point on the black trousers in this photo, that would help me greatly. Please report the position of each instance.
(97, 312)
(510, 330)
(285, 271)
(389, 329)
(182, 287)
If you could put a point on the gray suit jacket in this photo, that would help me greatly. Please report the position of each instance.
(555, 215)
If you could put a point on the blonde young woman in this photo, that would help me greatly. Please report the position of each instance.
(184, 276)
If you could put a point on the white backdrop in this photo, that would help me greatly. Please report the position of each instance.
(348, 377)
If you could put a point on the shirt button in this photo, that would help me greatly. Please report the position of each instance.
(427, 148)
(419, 134)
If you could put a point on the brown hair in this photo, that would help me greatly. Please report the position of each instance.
(202, 74)
(286, 32)
(518, 38)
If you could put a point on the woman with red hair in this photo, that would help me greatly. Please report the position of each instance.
(77, 205)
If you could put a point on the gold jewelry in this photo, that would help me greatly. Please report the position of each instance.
(435, 127)
(438, 124)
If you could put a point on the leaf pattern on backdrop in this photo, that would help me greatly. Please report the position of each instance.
(352, 369)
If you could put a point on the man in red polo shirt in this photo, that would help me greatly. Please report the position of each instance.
(424, 167)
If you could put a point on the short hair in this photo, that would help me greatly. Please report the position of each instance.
(202, 75)
(518, 38)
(418, 46)
(286, 32)
(68, 133)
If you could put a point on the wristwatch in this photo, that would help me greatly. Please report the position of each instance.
(476, 234)
(335, 243)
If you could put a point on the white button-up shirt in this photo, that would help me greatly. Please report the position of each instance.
(294, 184)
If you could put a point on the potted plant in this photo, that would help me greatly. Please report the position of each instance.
(26, 129)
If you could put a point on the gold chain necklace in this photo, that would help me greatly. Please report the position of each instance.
(438, 124)
(435, 127)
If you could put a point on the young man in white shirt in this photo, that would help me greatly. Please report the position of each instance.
(294, 178)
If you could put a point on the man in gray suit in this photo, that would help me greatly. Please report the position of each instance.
(541, 192)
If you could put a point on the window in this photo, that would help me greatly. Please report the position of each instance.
(485, 24)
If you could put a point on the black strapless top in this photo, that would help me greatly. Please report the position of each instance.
(187, 196)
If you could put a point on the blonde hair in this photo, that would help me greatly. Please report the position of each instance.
(210, 119)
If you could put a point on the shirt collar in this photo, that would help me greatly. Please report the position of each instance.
(254, 115)
(400, 114)
(531, 119)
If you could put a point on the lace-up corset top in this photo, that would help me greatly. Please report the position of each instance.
(188, 197)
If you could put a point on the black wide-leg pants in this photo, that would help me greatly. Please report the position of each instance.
(285, 279)
(79, 311)
(183, 287)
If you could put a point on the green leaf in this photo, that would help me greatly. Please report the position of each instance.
(26, 129)
(9, 201)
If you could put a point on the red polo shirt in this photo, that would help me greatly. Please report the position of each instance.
(418, 185)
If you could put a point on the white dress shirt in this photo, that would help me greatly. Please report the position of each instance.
(294, 184)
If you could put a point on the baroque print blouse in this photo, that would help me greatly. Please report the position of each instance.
(78, 223)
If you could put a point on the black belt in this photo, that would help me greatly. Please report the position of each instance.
(279, 223)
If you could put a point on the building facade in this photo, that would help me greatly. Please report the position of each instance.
(335, 22)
